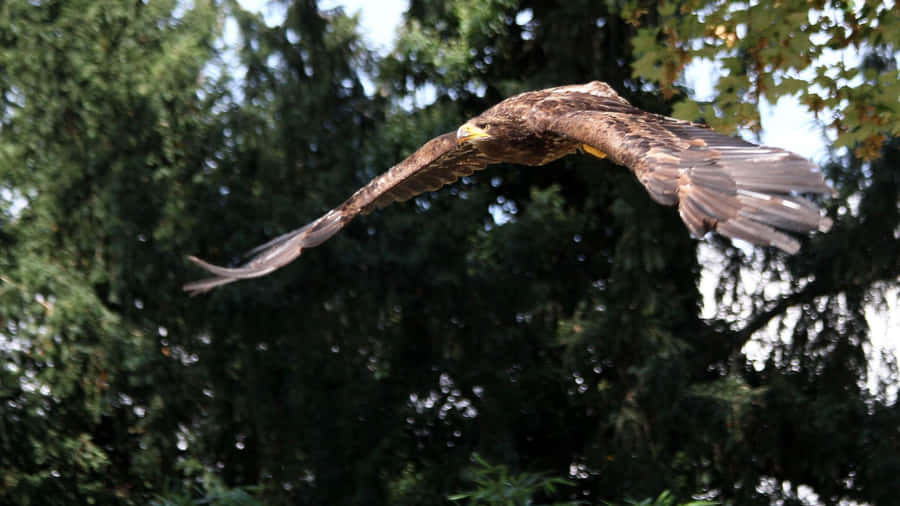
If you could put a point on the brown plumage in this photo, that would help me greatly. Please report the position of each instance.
(719, 183)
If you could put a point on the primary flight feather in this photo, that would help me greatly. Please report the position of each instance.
(718, 182)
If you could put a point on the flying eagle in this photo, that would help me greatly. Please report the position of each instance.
(718, 182)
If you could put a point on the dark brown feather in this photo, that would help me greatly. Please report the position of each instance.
(439, 162)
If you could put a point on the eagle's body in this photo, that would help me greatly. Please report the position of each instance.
(719, 182)
(519, 125)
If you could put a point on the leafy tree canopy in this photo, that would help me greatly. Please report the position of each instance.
(838, 58)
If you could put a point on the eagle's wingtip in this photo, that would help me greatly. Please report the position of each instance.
(197, 261)
(195, 288)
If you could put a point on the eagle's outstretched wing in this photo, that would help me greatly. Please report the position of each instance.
(440, 161)
(719, 182)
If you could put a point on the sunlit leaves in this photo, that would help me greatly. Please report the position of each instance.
(810, 50)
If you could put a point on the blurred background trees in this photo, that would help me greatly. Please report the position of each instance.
(546, 319)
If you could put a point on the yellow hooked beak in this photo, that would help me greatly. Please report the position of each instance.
(470, 132)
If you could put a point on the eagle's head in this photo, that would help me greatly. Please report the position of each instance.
(496, 139)
(470, 132)
(508, 140)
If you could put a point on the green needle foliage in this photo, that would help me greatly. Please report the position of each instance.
(497, 486)
(547, 319)
(103, 126)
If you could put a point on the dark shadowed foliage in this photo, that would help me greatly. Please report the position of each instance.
(546, 319)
